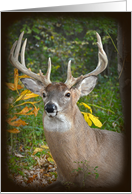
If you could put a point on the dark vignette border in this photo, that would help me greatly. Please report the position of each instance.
(7, 19)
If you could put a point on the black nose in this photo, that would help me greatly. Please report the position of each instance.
(50, 107)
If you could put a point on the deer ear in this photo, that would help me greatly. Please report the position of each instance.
(32, 85)
(87, 85)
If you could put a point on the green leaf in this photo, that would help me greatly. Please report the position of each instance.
(97, 175)
(37, 37)
(29, 31)
(36, 30)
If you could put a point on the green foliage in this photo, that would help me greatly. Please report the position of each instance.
(62, 39)
(54, 173)
(24, 163)
(87, 170)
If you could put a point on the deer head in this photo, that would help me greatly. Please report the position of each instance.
(58, 98)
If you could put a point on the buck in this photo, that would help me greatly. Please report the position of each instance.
(71, 141)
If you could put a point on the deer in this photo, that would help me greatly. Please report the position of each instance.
(70, 139)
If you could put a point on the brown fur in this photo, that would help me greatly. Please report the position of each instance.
(100, 148)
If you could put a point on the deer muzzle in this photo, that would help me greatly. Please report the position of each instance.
(51, 109)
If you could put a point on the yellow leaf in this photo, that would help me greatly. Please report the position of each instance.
(45, 147)
(50, 159)
(24, 76)
(13, 118)
(82, 103)
(50, 154)
(52, 37)
(22, 95)
(14, 86)
(13, 131)
(89, 121)
(86, 117)
(48, 175)
(19, 87)
(57, 67)
(11, 86)
(24, 111)
(17, 123)
(19, 98)
(27, 103)
(32, 95)
(36, 110)
(26, 92)
(30, 113)
(95, 120)
(37, 150)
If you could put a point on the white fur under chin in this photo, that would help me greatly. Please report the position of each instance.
(57, 123)
(51, 114)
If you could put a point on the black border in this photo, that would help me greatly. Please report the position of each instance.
(7, 19)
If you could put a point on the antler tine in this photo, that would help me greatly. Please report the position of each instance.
(70, 79)
(13, 57)
(23, 52)
(49, 70)
(102, 59)
(102, 64)
(46, 78)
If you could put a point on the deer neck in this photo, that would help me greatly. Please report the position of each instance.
(74, 144)
(69, 134)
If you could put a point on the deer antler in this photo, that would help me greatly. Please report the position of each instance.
(14, 53)
(102, 64)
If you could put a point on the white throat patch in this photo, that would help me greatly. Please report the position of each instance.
(58, 123)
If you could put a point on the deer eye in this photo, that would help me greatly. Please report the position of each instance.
(67, 94)
(44, 95)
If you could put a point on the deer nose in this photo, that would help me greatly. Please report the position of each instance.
(50, 107)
